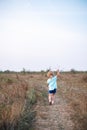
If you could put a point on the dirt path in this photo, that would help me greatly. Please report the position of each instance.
(54, 117)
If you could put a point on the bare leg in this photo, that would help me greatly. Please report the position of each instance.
(50, 98)
(53, 98)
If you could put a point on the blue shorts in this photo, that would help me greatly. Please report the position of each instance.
(52, 91)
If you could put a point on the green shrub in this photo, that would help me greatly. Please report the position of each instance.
(28, 117)
(31, 96)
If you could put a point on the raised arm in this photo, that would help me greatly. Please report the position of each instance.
(58, 73)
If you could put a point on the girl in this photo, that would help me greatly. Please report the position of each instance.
(52, 85)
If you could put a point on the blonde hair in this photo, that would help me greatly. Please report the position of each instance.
(50, 73)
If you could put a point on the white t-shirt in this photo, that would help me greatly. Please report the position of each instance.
(52, 83)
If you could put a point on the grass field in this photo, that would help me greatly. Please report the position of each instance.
(24, 102)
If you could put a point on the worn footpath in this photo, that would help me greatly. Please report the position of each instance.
(54, 117)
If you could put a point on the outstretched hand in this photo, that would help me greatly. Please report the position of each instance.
(58, 73)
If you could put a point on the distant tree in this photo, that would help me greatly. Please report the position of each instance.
(42, 71)
(23, 71)
(73, 71)
(7, 71)
(1, 71)
(48, 69)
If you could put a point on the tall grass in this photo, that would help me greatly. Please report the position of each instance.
(27, 118)
(73, 88)
(16, 103)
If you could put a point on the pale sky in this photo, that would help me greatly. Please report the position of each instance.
(38, 34)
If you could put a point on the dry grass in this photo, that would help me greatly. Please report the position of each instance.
(73, 88)
(19, 92)
(12, 99)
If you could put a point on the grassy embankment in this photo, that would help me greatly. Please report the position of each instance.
(73, 88)
(17, 99)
